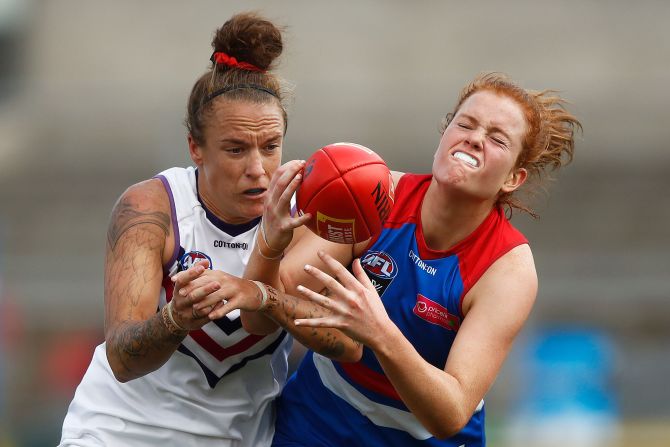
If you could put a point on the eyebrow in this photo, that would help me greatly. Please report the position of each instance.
(233, 140)
(494, 128)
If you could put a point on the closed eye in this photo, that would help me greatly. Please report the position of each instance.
(499, 141)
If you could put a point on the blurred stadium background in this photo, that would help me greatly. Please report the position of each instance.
(92, 99)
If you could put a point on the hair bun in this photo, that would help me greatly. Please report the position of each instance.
(249, 38)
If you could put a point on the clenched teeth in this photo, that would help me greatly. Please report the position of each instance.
(467, 158)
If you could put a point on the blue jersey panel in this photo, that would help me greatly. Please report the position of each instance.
(310, 415)
(421, 297)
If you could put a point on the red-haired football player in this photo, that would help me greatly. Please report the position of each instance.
(438, 298)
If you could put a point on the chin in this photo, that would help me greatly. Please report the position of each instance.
(254, 212)
(454, 176)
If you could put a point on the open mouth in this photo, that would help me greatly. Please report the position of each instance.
(254, 191)
(466, 158)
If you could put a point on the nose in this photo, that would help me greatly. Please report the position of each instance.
(475, 139)
(255, 166)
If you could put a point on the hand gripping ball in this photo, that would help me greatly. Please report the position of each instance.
(348, 190)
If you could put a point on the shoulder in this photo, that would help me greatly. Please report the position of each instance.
(146, 202)
(518, 262)
(510, 282)
(146, 195)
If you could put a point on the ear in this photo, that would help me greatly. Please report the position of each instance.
(515, 179)
(194, 151)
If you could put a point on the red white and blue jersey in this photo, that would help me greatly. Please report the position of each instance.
(219, 388)
(331, 403)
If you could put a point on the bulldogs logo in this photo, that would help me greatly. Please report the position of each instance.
(190, 258)
(381, 268)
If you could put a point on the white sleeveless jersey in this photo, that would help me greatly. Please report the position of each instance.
(218, 388)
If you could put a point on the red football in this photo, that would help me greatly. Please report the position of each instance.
(348, 190)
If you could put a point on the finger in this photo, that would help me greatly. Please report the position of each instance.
(193, 272)
(319, 322)
(288, 192)
(203, 262)
(183, 276)
(299, 221)
(317, 298)
(224, 293)
(217, 306)
(201, 314)
(200, 293)
(328, 281)
(278, 173)
(292, 168)
(228, 288)
(223, 309)
(361, 276)
(346, 279)
(285, 174)
(186, 288)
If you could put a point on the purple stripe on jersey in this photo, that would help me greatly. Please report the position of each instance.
(175, 227)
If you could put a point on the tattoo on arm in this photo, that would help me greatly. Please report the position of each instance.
(126, 216)
(283, 309)
(138, 341)
(135, 341)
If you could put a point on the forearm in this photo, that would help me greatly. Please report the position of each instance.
(265, 269)
(435, 397)
(136, 348)
(284, 309)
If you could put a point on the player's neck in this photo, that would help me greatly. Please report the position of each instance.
(207, 199)
(448, 219)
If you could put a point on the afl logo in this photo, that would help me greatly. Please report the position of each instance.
(380, 264)
(191, 258)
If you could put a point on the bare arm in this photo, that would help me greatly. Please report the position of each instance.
(286, 306)
(138, 339)
(443, 400)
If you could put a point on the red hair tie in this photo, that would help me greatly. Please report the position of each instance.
(219, 57)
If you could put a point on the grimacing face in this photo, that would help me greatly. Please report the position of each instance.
(242, 149)
(480, 146)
